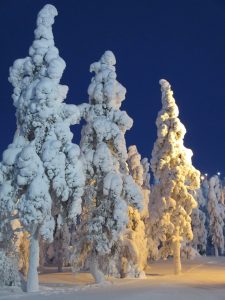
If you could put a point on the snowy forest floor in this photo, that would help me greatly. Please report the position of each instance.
(202, 278)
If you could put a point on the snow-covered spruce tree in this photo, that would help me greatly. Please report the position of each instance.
(216, 213)
(151, 232)
(152, 229)
(134, 164)
(109, 188)
(205, 190)
(48, 177)
(174, 175)
(198, 223)
(146, 189)
(134, 242)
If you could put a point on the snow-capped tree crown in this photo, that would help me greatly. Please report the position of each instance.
(38, 96)
(104, 88)
(105, 97)
(172, 168)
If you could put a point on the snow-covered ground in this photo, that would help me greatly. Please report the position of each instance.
(203, 278)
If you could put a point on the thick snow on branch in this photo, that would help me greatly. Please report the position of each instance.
(35, 205)
(9, 192)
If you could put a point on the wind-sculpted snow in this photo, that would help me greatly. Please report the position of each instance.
(42, 165)
(109, 187)
(175, 177)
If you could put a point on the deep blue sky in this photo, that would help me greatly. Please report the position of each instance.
(181, 41)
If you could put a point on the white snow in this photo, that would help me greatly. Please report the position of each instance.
(202, 278)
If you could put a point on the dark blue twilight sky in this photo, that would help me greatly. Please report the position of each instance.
(182, 41)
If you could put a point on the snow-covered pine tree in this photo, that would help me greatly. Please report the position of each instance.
(205, 190)
(135, 166)
(134, 238)
(151, 225)
(42, 167)
(216, 213)
(146, 188)
(174, 176)
(150, 228)
(198, 245)
(109, 188)
(198, 223)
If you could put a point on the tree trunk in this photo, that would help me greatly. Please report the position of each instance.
(60, 262)
(32, 277)
(42, 251)
(96, 273)
(176, 256)
(216, 251)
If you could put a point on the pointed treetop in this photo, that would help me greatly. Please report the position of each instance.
(168, 101)
(165, 85)
(104, 87)
(108, 58)
(42, 49)
(171, 132)
(46, 15)
(43, 61)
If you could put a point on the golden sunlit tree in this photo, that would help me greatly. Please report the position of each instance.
(175, 178)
